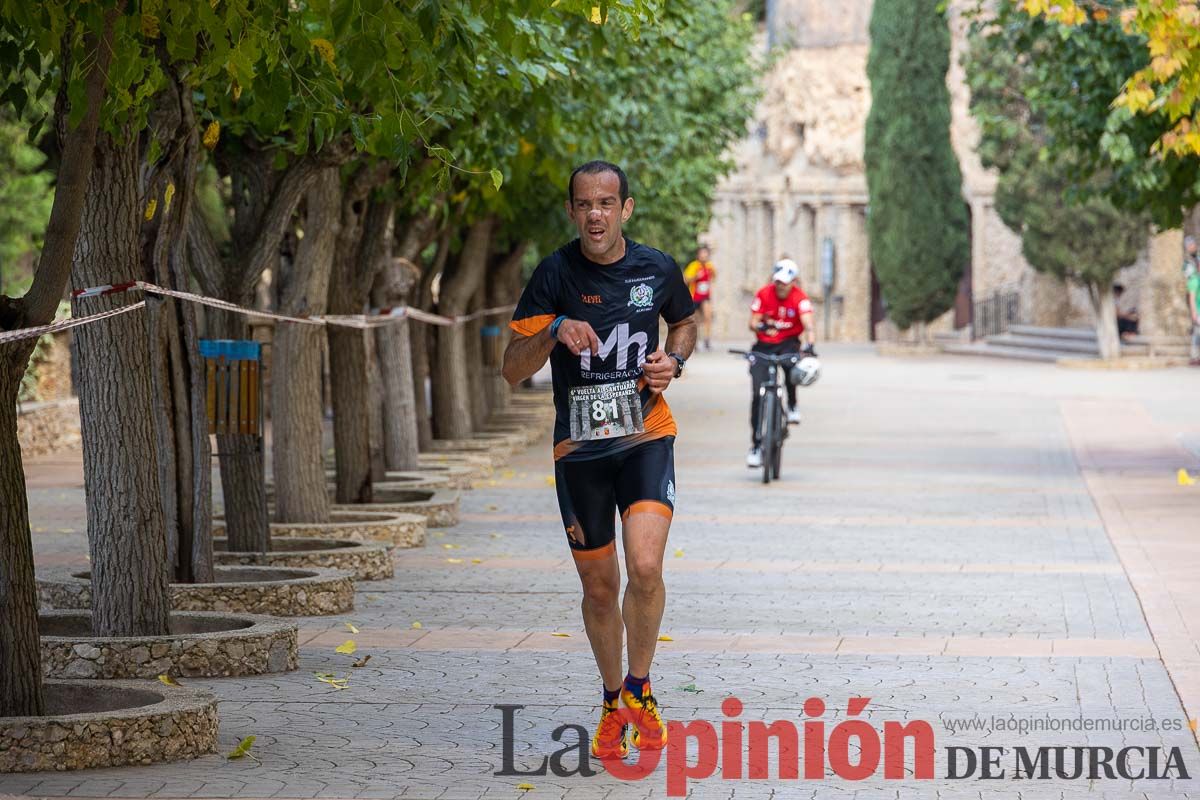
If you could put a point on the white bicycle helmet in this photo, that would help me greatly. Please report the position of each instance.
(806, 371)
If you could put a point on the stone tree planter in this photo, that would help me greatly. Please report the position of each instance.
(420, 479)
(440, 509)
(478, 464)
(359, 523)
(250, 590)
(109, 724)
(201, 645)
(366, 560)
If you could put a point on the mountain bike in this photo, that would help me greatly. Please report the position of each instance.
(773, 429)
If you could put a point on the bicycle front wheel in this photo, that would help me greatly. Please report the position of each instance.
(770, 433)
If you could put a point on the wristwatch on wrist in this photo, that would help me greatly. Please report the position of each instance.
(680, 361)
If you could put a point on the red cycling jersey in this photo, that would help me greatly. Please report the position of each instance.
(783, 314)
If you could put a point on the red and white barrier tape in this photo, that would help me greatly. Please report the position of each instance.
(377, 317)
(381, 316)
(32, 333)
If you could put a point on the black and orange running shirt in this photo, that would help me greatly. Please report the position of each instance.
(601, 401)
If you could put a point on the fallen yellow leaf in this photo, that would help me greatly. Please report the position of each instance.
(242, 749)
(493, 508)
(496, 535)
(151, 207)
(476, 560)
(1183, 478)
(525, 787)
(417, 625)
(455, 560)
(346, 648)
(665, 638)
(350, 625)
(168, 680)
(450, 546)
(563, 635)
(679, 553)
(549, 480)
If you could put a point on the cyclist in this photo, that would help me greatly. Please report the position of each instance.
(592, 308)
(700, 276)
(779, 315)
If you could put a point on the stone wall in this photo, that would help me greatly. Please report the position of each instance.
(44, 429)
(800, 179)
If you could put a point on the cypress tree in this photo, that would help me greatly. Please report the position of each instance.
(917, 224)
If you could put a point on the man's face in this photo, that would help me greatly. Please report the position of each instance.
(598, 213)
(783, 289)
(702, 254)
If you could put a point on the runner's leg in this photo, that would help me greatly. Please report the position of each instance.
(587, 501)
(646, 498)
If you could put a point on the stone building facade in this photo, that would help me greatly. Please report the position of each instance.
(799, 190)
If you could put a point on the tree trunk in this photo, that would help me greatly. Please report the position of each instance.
(264, 202)
(124, 511)
(297, 412)
(1104, 305)
(503, 288)
(20, 648)
(378, 458)
(364, 247)
(177, 370)
(452, 404)
(422, 345)
(476, 385)
(393, 287)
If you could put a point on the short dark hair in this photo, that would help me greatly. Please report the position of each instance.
(596, 168)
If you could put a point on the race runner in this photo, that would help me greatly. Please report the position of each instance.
(592, 308)
(700, 276)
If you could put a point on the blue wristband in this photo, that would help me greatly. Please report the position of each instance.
(554, 326)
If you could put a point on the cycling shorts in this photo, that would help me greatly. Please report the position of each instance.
(591, 492)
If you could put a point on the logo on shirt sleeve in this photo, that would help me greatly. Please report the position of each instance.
(641, 296)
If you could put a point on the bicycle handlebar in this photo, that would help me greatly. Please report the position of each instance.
(768, 357)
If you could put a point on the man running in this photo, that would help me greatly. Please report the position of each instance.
(700, 276)
(779, 315)
(592, 308)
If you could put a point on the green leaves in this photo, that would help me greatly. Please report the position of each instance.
(1067, 160)
(918, 223)
(1066, 100)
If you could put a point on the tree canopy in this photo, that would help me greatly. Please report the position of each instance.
(917, 224)
(1119, 85)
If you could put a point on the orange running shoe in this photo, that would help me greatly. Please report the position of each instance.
(609, 740)
(649, 729)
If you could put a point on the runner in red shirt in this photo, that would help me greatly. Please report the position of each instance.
(780, 314)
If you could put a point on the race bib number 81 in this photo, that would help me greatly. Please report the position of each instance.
(605, 411)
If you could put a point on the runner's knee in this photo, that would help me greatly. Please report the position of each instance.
(601, 590)
(645, 573)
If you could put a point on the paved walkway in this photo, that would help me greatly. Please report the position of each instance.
(957, 540)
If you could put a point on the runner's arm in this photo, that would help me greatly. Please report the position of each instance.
(525, 355)
(681, 337)
(659, 368)
(756, 319)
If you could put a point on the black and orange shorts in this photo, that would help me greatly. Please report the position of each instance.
(591, 493)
